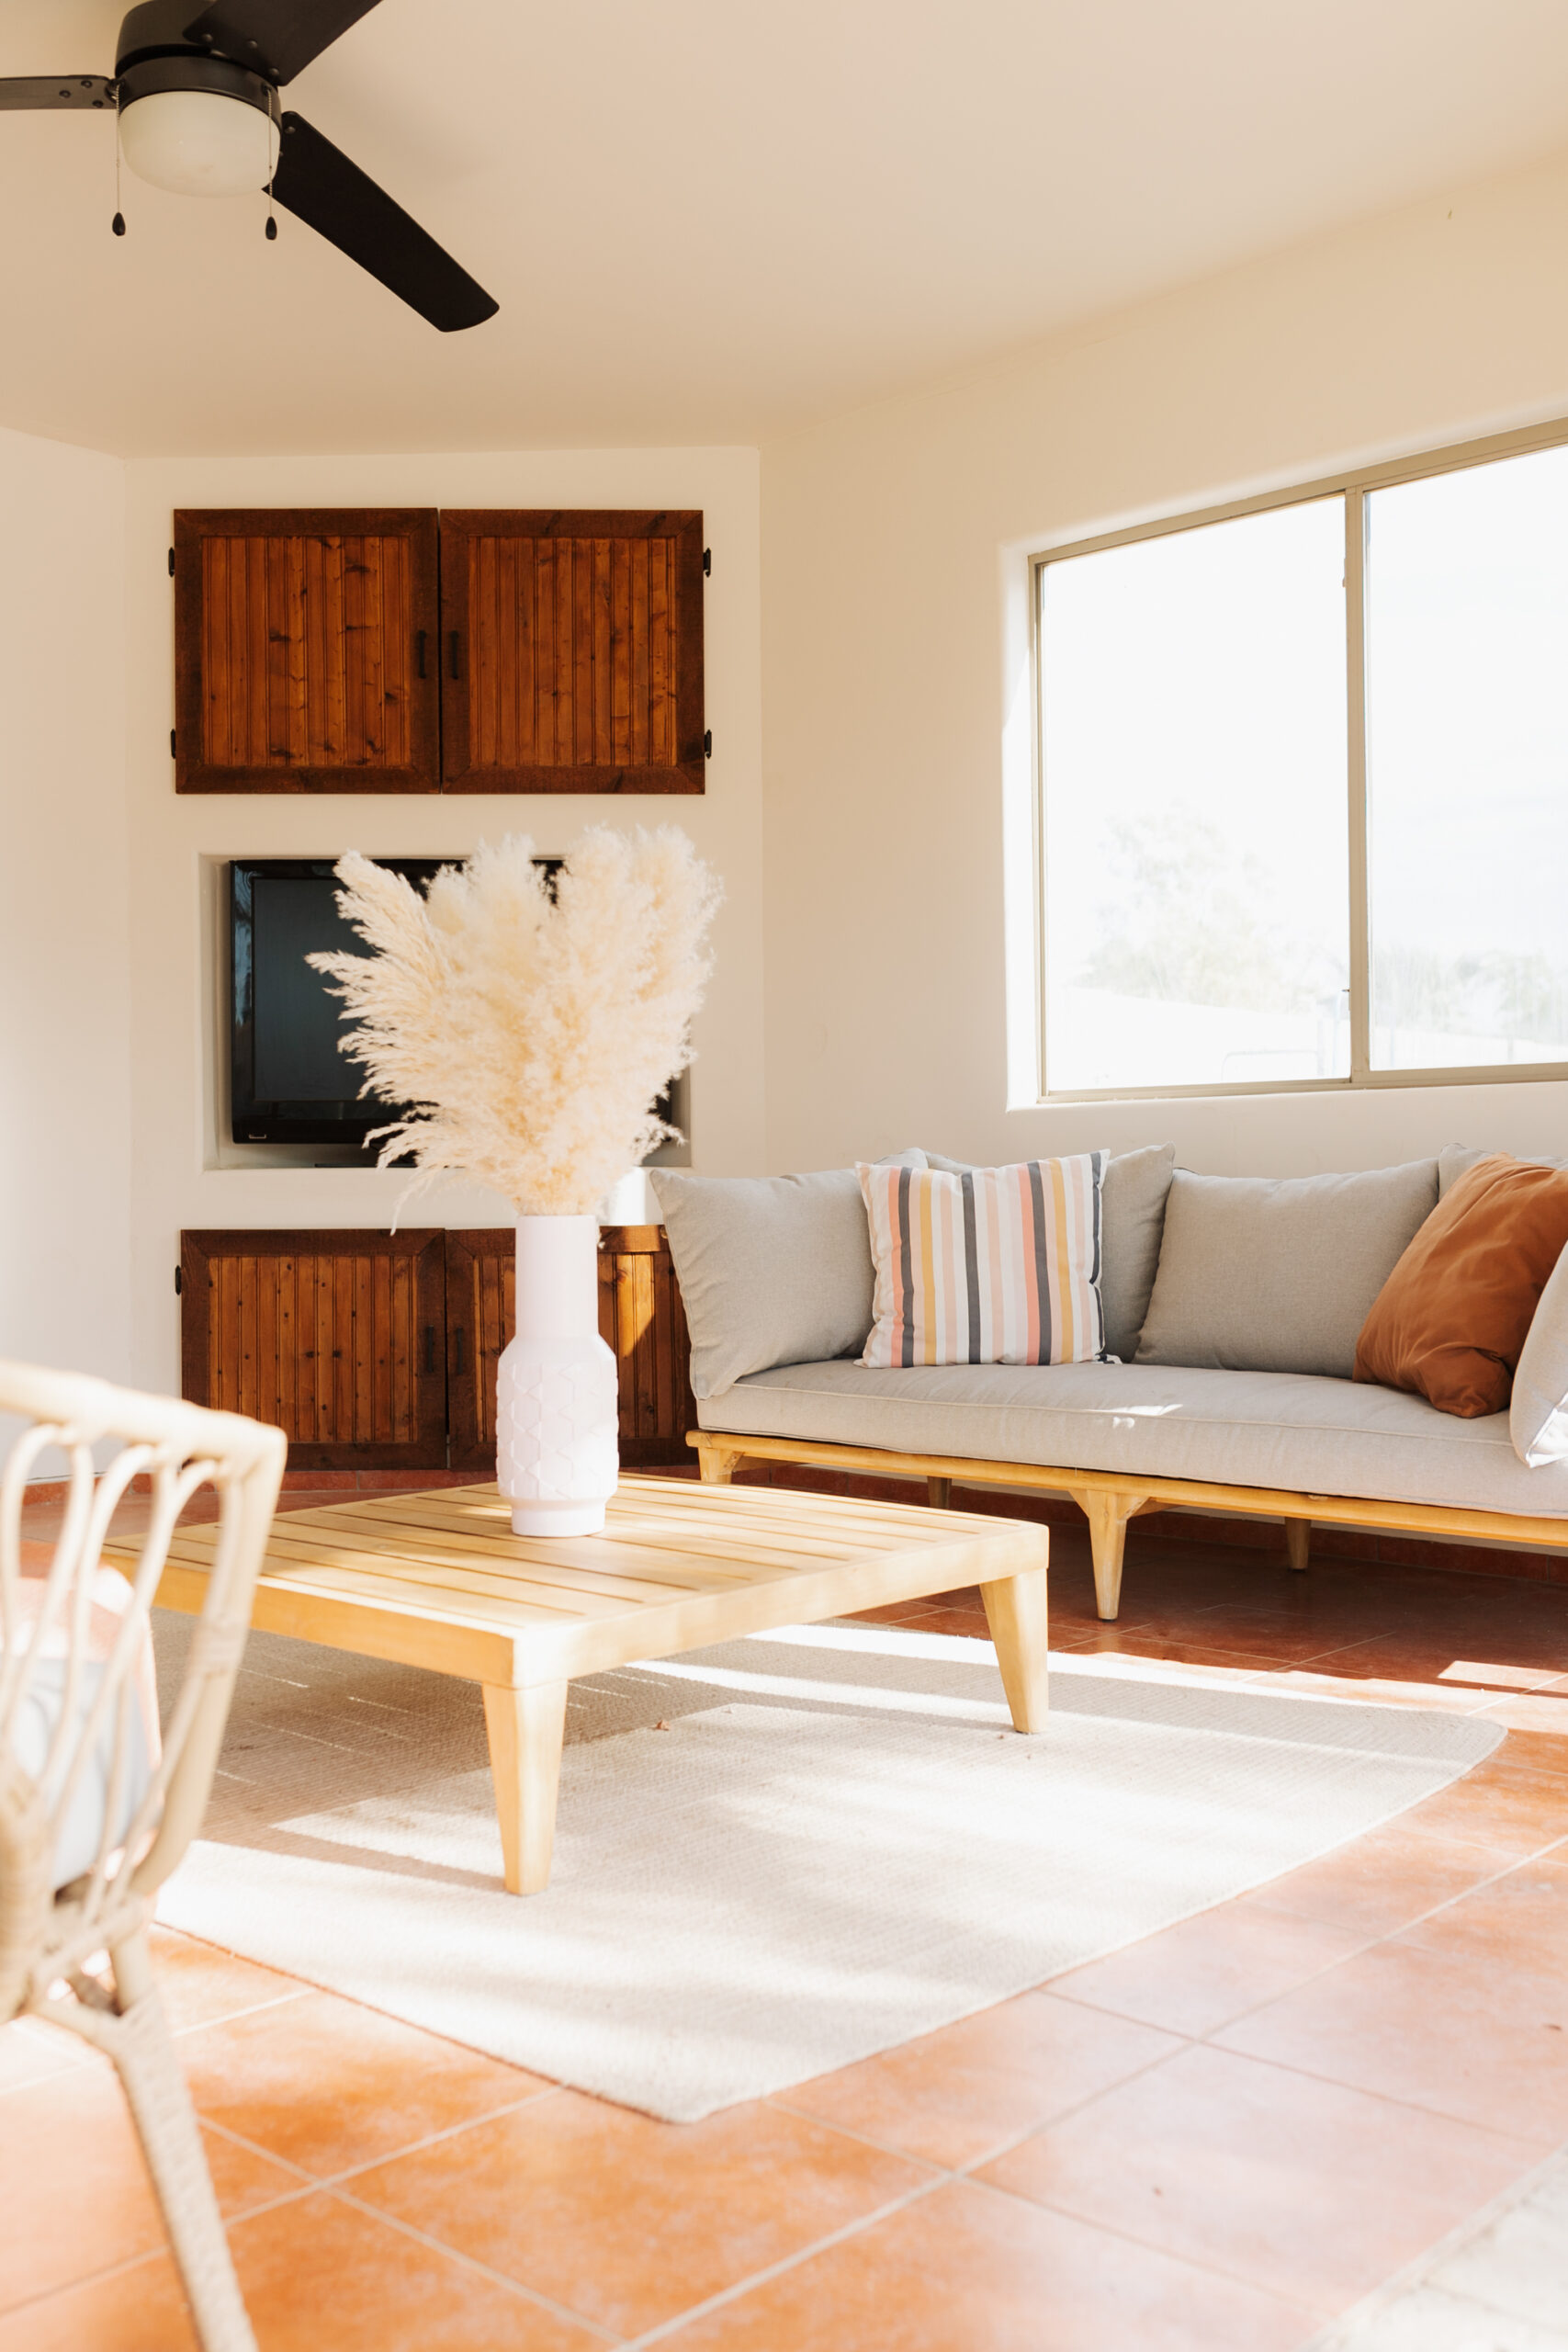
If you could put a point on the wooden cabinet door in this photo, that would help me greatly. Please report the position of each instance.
(305, 654)
(640, 1317)
(482, 1316)
(338, 1338)
(571, 651)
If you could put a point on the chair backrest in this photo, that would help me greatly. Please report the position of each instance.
(71, 1695)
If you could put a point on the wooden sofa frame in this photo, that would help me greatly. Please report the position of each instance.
(1109, 1499)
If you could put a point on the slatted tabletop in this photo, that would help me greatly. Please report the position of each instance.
(438, 1580)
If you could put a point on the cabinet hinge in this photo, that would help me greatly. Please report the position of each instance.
(179, 1282)
(171, 563)
(173, 753)
(707, 744)
(708, 563)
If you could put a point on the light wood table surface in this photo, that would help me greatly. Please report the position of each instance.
(438, 1580)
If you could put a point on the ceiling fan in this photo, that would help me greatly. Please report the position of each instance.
(195, 90)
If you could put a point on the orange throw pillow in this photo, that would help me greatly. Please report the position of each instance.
(1451, 1319)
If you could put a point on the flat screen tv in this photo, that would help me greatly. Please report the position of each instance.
(288, 1083)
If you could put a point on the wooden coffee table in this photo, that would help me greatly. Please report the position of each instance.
(438, 1580)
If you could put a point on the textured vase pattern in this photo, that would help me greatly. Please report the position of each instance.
(556, 1433)
(554, 1424)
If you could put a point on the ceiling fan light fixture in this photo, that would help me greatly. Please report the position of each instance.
(198, 142)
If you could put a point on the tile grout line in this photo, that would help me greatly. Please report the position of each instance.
(333, 2180)
(965, 2172)
(481, 2270)
(1372, 1943)
(233, 2017)
(1417, 2272)
(164, 2251)
(772, 2270)
(91, 2278)
(306, 2183)
(1208, 2038)
(1191, 2261)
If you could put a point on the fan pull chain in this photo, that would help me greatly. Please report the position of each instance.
(117, 224)
(271, 222)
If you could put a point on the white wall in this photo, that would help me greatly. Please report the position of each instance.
(173, 1049)
(889, 537)
(64, 1016)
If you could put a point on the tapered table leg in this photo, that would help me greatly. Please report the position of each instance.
(526, 1729)
(1015, 1611)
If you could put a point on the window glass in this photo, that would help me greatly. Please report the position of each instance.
(1195, 805)
(1467, 764)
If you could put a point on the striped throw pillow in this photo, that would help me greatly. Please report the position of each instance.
(998, 1265)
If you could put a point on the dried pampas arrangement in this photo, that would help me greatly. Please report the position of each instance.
(531, 1033)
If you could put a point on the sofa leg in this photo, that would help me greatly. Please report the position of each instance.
(1108, 1513)
(1298, 1542)
(716, 1465)
(939, 1493)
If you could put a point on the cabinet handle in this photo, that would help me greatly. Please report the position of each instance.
(430, 1347)
(419, 652)
(454, 648)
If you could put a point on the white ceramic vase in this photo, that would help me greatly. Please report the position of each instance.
(555, 1432)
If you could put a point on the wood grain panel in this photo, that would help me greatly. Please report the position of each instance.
(579, 638)
(326, 1335)
(297, 639)
(641, 1318)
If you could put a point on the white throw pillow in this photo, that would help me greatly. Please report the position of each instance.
(1537, 1415)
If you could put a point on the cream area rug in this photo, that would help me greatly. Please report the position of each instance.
(774, 1857)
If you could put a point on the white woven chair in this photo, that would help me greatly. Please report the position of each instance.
(96, 1803)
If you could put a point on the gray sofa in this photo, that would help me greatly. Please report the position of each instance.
(1233, 1306)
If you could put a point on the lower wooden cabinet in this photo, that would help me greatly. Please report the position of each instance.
(640, 1317)
(378, 1351)
(339, 1338)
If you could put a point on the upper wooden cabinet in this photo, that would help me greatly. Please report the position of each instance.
(572, 648)
(395, 650)
(305, 650)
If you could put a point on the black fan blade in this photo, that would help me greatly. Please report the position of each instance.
(59, 92)
(278, 38)
(316, 181)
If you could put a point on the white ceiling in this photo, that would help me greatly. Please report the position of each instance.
(712, 220)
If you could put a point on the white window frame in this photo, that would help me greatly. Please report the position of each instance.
(1352, 488)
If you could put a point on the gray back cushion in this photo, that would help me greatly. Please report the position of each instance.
(1132, 1217)
(773, 1269)
(1261, 1273)
(1456, 1160)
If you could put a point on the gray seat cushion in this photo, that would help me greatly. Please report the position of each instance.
(1262, 1273)
(1233, 1429)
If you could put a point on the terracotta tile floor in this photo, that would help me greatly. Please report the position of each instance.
(1226, 2136)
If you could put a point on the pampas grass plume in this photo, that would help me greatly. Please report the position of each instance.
(531, 1035)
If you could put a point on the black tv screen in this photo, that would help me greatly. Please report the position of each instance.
(288, 1081)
